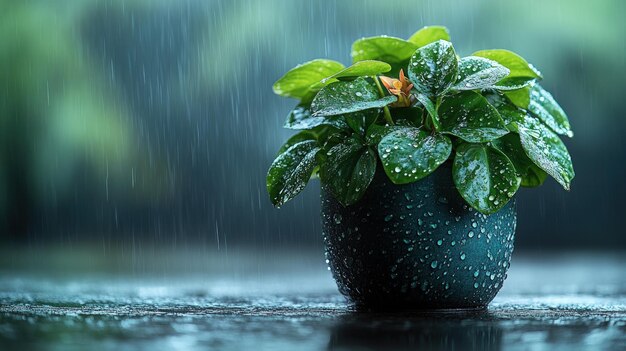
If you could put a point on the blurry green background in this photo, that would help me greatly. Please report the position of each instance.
(154, 121)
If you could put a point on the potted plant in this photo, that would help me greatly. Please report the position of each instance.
(419, 167)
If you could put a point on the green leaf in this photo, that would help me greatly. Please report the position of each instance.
(516, 64)
(344, 97)
(470, 117)
(301, 118)
(479, 73)
(375, 133)
(409, 154)
(361, 68)
(429, 34)
(511, 146)
(519, 97)
(304, 80)
(517, 83)
(291, 171)
(484, 176)
(382, 48)
(433, 68)
(348, 168)
(320, 133)
(430, 108)
(509, 112)
(521, 72)
(543, 105)
(332, 140)
(546, 150)
(360, 121)
(302, 136)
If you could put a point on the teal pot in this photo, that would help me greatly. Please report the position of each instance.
(416, 246)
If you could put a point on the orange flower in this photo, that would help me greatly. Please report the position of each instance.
(399, 87)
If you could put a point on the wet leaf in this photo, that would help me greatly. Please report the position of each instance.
(360, 121)
(484, 176)
(433, 68)
(504, 124)
(376, 132)
(514, 62)
(479, 73)
(299, 137)
(429, 34)
(332, 140)
(521, 72)
(382, 48)
(348, 96)
(543, 105)
(429, 106)
(348, 168)
(470, 117)
(519, 97)
(305, 79)
(301, 118)
(530, 173)
(291, 171)
(320, 133)
(508, 112)
(546, 150)
(361, 68)
(409, 154)
(516, 83)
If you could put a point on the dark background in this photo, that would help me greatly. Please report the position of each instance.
(154, 122)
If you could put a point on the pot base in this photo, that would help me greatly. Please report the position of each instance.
(416, 246)
(385, 308)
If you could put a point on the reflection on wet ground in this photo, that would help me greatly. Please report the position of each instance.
(559, 303)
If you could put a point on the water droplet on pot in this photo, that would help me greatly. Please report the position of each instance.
(337, 218)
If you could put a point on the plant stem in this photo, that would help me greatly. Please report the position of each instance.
(437, 103)
(428, 122)
(388, 116)
(435, 120)
(385, 108)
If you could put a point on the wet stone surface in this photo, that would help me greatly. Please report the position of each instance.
(557, 302)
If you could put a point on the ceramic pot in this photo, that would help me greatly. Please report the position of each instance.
(416, 246)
